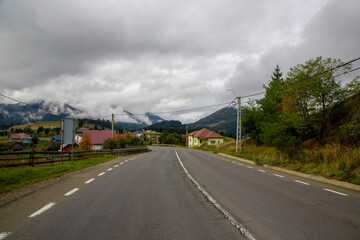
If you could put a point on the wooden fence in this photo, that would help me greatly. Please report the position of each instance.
(31, 158)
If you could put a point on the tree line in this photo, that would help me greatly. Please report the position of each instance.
(300, 106)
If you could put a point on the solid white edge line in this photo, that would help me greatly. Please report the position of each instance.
(100, 174)
(71, 192)
(277, 175)
(232, 220)
(90, 180)
(4, 235)
(305, 183)
(40, 211)
(329, 190)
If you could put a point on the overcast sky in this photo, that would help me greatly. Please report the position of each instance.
(162, 55)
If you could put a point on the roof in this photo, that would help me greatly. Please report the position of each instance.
(98, 137)
(57, 138)
(22, 136)
(205, 134)
(81, 131)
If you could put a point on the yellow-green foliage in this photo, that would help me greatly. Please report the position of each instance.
(4, 140)
(330, 160)
(36, 125)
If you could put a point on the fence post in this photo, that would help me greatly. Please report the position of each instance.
(32, 158)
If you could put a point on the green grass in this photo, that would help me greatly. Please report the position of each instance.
(14, 178)
(331, 160)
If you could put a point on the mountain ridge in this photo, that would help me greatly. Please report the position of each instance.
(18, 113)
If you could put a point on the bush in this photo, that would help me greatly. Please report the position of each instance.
(119, 143)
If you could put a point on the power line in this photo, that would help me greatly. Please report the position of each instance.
(215, 105)
(16, 100)
(318, 74)
(178, 111)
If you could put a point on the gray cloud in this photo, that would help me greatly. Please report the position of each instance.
(157, 56)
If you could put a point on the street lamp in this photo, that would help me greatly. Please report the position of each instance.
(238, 122)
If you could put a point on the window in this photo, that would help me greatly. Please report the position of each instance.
(213, 142)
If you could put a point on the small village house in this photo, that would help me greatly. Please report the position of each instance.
(17, 141)
(79, 133)
(20, 137)
(204, 137)
(98, 137)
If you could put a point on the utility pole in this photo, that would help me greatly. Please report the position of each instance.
(112, 126)
(238, 122)
(62, 141)
(186, 136)
(238, 126)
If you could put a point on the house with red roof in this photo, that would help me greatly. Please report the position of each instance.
(98, 137)
(204, 137)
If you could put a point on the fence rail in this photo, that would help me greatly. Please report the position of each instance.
(32, 158)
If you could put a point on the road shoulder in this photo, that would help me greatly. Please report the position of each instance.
(300, 174)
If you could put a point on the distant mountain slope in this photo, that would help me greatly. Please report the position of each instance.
(153, 118)
(14, 114)
(222, 121)
(38, 111)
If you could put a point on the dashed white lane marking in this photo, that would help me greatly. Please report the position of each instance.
(100, 174)
(260, 170)
(305, 183)
(109, 169)
(116, 165)
(241, 164)
(329, 190)
(233, 162)
(40, 211)
(90, 180)
(249, 167)
(122, 163)
(232, 220)
(227, 160)
(71, 192)
(277, 175)
(4, 235)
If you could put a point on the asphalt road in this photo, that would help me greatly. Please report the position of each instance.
(147, 197)
(274, 205)
(151, 197)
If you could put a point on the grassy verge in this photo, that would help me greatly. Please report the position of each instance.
(331, 161)
(14, 178)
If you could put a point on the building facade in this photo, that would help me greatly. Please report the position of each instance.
(204, 137)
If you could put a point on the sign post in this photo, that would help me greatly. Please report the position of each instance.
(69, 134)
